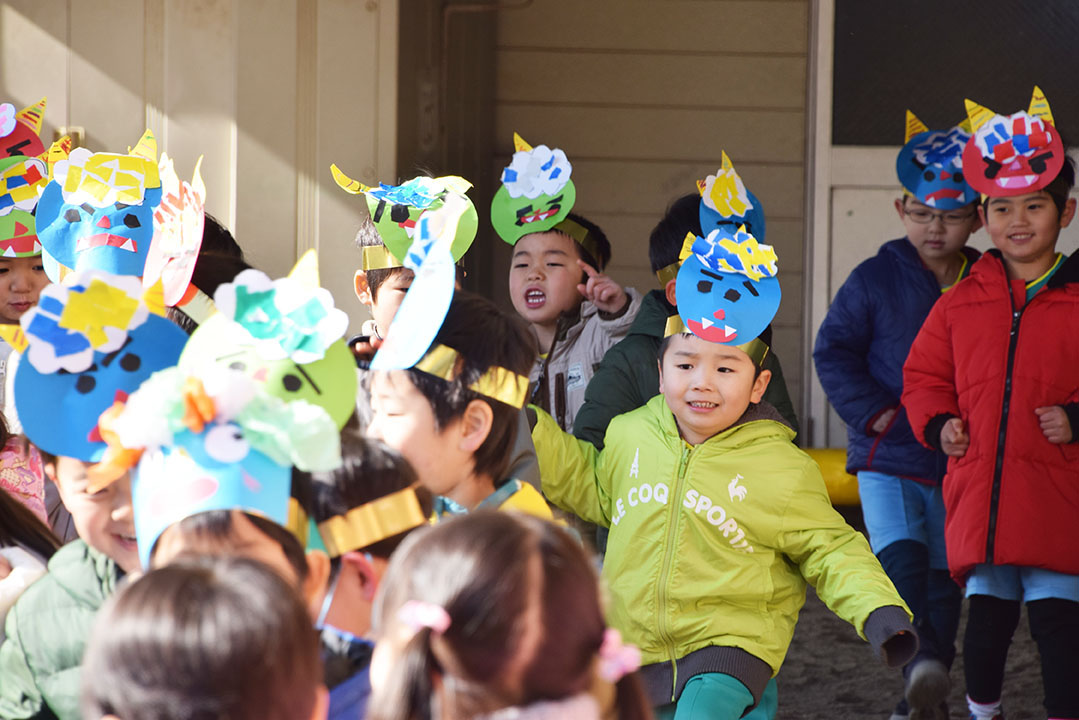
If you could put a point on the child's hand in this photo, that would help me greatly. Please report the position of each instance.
(881, 423)
(602, 291)
(366, 350)
(953, 440)
(1055, 425)
(5, 567)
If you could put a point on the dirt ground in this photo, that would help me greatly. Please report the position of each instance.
(830, 673)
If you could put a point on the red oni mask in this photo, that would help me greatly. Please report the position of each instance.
(1013, 155)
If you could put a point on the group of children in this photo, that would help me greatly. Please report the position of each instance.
(274, 522)
(952, 373)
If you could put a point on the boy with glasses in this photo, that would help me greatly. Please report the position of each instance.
(859, 355)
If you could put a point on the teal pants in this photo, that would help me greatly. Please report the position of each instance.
(720, 697)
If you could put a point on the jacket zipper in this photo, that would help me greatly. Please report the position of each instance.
(1002, 432)
(661, 587)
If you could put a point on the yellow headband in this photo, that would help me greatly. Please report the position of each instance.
(668, 273)
(297, 521)
(755, 348)
(371, 522)
(497, 383)
(580, 234)
(377, 257)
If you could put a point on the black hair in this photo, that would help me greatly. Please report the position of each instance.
(369, 470)
(216, 264)
(598, 238)
(486, 570)
(217, 240)
(665, 243)
(485, 337)
(21, 527)
(203, 638)
(765, 337)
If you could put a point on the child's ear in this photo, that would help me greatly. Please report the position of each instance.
(476, 425)
(760, 385)
(669, 291)
(363, 292)
(1068, 215)
(899, 207)
(660, 363)
(314, 585)
(981, 214)
(365, 571)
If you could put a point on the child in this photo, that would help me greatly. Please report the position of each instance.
(221, 638)
(115, 345)
(991, 380)
(49, 625)
(26, 544)
(627, 378)
(717, 520)
(21, 474)
(363, 510)
(497, 615)
(453, 414)
(556, 277)
(859, 355)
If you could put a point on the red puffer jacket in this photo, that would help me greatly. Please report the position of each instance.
(1013, 498)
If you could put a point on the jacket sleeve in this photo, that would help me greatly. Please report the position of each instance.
(615, 326)
(929, 377)
(571, 470)
(841, 357)
(19, 694)
(613, 390)
(836, 559)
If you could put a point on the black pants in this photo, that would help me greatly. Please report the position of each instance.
(1054, 625)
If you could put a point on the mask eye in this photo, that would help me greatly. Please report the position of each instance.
(291, 382)
(237, 365)
(992, 167)
(72, 215)
(1038, 162)
(929, 175)
(130, 362)
(732, 295)
(958, 177)
(225, 443)
(85, 384)
(399, 213)
(704, 286)
(131, 221)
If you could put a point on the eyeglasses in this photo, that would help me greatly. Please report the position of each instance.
(924, 217)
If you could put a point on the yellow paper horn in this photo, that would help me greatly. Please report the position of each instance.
(353, 187)
(146, 147)
(33, 116)
(1039, 106)
(914, 126)
(964, 125)
(305, 271)
(977, 114)
(519, 144)
(15, 337)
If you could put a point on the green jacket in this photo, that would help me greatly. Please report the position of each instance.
(628, 376)
(47, 631)
(711, 546)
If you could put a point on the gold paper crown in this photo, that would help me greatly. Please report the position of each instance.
(756, 348)
(497, 383)
(372, 522)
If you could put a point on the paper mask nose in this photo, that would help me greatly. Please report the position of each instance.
(104, 222)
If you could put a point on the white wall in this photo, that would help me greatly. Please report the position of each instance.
(270, 91)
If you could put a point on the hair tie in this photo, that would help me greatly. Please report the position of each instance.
(418, 614)
(617, 659)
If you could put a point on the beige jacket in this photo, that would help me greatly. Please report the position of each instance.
(558, 381)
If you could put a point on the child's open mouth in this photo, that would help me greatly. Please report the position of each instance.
(127, 542)
(1021, 237)
(535, 299)
(702, 405)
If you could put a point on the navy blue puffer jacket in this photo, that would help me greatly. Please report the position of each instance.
(859, 354)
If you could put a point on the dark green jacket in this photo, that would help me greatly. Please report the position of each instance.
(628, 377)
(47, 631)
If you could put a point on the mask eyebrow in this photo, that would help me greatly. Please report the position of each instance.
(307, 377)
(712, 274)
(107, 360)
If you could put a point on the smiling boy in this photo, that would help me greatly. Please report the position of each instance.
(717, 521)
(992, 381)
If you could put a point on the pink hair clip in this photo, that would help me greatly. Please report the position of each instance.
(617, 659)
(418, 614)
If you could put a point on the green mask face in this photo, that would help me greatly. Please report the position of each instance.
(329, 382)
(18, 236)
(514, 217)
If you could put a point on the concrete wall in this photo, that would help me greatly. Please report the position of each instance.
(643, 96)
(270, 91)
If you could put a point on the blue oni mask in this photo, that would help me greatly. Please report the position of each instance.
(216, 469)
(727, 288)
(115, 238)
(931, 169)
(73, 369)
(727, 205)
